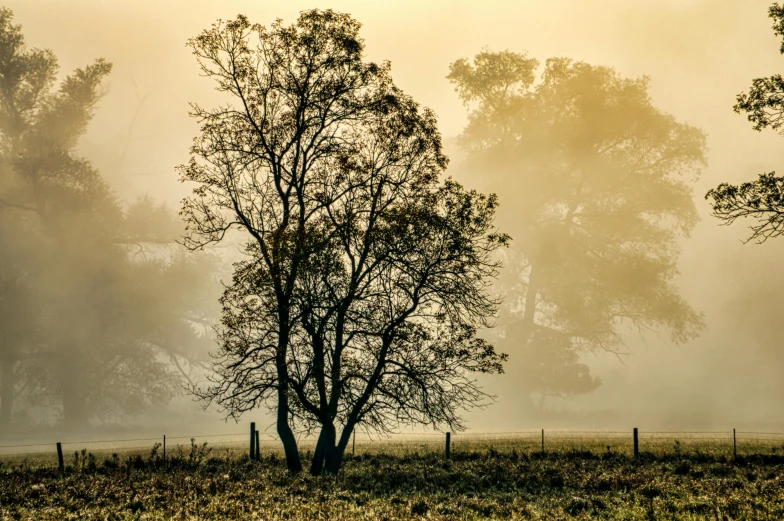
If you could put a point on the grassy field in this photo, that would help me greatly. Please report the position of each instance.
(485, 479)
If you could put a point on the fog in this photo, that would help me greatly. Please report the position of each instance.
(698, 54)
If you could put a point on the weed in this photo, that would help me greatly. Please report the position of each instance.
(154, 451)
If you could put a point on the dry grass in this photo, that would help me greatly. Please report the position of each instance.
(502, 478)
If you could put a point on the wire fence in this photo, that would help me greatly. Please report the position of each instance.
(730, 442)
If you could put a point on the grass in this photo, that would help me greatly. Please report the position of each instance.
(485, 479)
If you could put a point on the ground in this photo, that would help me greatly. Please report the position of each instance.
(506, 482)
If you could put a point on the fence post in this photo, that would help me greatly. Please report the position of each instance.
(734, 445)
(60, 465)
(448, 443)
(252, 440)
(258, 449)
(636, 443)
(164, 448)
(542, 441)
(353, 442)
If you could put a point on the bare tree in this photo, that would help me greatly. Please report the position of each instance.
(399, 333)
(365, 280)
(388, 311)
(297, 92)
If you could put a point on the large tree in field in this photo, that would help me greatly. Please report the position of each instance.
(595, 185)
(366, 276)
(257, 160)
(387, 314)
(761, 200)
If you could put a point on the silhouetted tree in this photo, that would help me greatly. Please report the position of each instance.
(388, 309)
(365, 280)
(762, 199)
(594, 184)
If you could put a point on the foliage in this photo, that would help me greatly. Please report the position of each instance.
(760, 200)
(764, 104)
(595, 185)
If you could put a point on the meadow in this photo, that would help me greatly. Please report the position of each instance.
(484, 479)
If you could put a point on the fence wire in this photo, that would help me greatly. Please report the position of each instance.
(741, 442)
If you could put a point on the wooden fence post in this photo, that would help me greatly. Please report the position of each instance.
(636, 443)
(734, 445)
(252, 440)
(542, 441)
(448, 443)
(60, 464)
(258, 447)
(164, 448)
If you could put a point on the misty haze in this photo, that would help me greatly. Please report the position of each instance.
(489, 251)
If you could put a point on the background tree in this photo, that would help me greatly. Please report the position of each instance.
(595, 190)
(19, 318)
(82, 317)
(763, 199)
(26, 74)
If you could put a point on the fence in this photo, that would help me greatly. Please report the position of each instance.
(631, 442)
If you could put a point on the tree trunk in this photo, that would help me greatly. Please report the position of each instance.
(7, 381)
(325, 450)
(74, 402)
(531, 296)
(293, 462)
(334, 458)
(287, 438)
(532, 291)
(317, 464)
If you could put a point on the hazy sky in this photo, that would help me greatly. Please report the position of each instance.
(698, 53)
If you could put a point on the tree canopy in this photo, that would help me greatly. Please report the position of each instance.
(595, 186)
